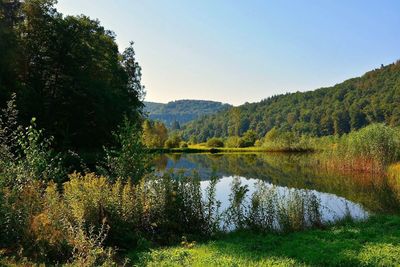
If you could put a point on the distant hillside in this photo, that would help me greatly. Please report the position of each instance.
(353, 104)
(182, 111)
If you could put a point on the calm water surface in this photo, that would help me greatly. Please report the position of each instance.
(340, 194)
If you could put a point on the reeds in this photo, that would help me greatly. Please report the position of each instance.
(267, 210)
(370, 149)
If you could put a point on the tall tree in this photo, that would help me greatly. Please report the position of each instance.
(9, 16)
(69, 72)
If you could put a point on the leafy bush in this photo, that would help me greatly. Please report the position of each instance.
(154, 134)
(248, 139)
(215, 142)
(258, 143)
(25, 153)
(183, 144)
(232, 141)
(128, 160)
(173, 141)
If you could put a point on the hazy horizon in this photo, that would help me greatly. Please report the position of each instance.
(236, 52)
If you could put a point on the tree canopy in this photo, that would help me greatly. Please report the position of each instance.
(181, 112)
(345, 107)
(67, 72)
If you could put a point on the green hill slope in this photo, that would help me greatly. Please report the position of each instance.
(182, 111)
(353, 104)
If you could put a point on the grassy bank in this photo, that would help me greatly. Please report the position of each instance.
(204, 149)
(375, 242)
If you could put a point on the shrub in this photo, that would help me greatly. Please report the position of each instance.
(258, 143)
(215, 142)
(183, 145)
(271, 135)
(19, 205)
(127, 160)
(173, 141)
(25, 153)
(192, 140)
(248, 139)
(232, 141)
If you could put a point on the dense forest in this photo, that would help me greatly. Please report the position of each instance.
(68, 73)
(345, 107)
(177, 113)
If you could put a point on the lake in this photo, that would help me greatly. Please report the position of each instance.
(355, 194)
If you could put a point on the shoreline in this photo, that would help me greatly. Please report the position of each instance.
(226, 150)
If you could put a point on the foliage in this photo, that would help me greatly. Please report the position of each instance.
(126, 161)
(289, 141)
(345, 107)
(173, 141)
(372, 148)
(25, 153)
(268, 211)
(232, 141)
(155, 134)
(67, 73)
(215, 142)
(183, 144)
(181, 112)
(248, 139)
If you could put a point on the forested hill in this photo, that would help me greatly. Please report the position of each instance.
(182, 111)
(353, 104)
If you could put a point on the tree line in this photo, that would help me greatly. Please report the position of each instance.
(68, 73)
(345, 107)
(177, 113)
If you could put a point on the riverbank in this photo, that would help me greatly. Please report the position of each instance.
(375, 242)
(204, 149)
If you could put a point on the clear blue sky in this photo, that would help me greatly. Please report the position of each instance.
(238, 51)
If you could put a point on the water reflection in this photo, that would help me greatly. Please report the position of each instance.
(331, 207)
(337, 191)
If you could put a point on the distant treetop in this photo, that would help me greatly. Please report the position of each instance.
(180, 112)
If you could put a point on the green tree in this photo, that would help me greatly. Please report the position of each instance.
(173, 141)
(357, 118)
(248, 139)
(341, 122)
(232, 141)
(176, 125)
(8, 48)
(215, 142)
(154, 134)
(271, 135)
(68, 73)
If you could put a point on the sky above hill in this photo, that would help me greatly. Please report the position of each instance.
(244, 51)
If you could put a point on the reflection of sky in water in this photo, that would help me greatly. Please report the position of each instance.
(332, 206)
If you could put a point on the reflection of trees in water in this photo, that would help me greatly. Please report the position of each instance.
(160, 162)
(294, 170)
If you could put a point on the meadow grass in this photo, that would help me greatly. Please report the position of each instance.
(375, 242)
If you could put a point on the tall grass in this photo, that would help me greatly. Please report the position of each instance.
(268, 211)
(370, 149)
(91, 213)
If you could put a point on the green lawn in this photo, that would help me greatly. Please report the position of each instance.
(375, 242)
